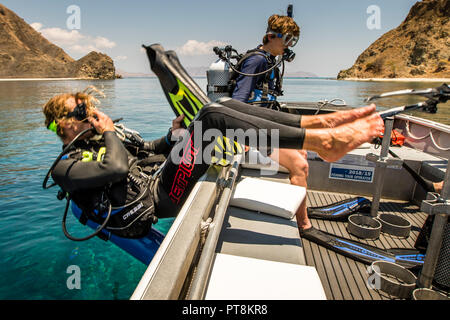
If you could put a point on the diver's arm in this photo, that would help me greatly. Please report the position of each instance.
(73, 174)
(162, 145)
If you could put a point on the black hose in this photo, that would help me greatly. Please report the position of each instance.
(67, 148)
(99, 229)
(254, 74)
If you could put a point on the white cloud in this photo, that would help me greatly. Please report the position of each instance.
(120, 58)
(102, 42)
(36, 26)
(197, 48)
(62, 36)
(73, 40)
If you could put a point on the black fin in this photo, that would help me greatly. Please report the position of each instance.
(340, 210)
(184, 95)
(408, 258)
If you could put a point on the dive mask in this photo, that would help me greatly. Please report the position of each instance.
(289, 40)
(79, 113)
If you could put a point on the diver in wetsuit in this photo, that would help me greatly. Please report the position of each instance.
(263, 90)
(108, 173)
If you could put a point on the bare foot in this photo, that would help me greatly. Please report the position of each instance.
(304, 225)
(333, 144)
(335, 119)
(438, 186)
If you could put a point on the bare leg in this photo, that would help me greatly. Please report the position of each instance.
(296, 163)
(336, 119)
(333, 144)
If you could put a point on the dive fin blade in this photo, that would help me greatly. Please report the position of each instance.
(187, 79)
(158, 64)
(339, 211)
(363, 252)
(180, 89)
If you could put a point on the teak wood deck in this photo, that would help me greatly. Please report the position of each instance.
(343, 278)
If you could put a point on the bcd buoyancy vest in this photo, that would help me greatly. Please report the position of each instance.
(131, 201)
(268, 87)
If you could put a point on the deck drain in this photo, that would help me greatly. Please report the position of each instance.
(363, 226)
(395, 225)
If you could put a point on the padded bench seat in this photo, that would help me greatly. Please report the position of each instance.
(256, 235)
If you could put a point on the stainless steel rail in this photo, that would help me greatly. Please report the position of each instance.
(437, 232)
(167, 273)
(200, 280)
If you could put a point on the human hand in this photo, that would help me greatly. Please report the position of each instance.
(177, 127)
(176, 123)
(101, 122)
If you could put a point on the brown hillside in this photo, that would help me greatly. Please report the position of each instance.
(25, 53)
(418, 48)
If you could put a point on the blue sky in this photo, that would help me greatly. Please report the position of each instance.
(333, 33)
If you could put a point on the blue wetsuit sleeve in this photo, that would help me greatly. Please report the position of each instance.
(246, 84)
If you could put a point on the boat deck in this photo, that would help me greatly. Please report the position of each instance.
(343, 278)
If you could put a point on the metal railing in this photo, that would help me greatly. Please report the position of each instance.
(200, 280)
(165, 276)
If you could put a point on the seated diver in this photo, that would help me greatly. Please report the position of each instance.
(95, 172)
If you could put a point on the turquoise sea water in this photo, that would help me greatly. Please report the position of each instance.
(34, 253)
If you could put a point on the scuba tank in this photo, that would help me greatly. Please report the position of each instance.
(222, 73)
(218, 76)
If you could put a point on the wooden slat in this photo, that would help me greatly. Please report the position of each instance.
(344, 278)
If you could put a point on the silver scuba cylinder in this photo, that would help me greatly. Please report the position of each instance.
(218, 76)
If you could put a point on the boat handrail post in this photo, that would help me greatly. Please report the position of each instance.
(204, 266)
(381, 163)
(440, 207)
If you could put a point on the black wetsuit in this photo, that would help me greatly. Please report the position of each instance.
(177, 178)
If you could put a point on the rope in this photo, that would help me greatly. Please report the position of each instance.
(413, 136)
(322, 103)
(204, 230)
(435, 144)
(429, 134)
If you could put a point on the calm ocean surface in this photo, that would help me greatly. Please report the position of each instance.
(34, 252)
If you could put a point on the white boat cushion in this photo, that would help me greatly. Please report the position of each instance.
(241, 278)
(275, 198)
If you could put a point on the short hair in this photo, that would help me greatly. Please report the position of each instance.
(281, 24)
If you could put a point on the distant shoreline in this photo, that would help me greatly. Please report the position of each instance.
(398, 79)
(43, 79)
(443, 80)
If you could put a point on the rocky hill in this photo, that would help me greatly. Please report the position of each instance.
(25, 53)
(418, 48)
